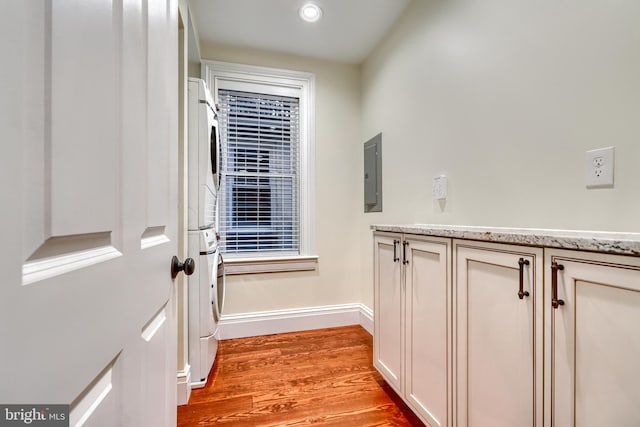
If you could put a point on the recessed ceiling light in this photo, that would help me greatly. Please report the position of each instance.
(310, 12)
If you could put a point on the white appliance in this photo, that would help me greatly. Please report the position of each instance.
(206, 300)
(204, 157)
(206, 285)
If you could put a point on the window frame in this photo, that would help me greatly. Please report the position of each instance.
(249, 78)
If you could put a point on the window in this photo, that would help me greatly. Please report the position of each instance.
(260, 163)
(266, 191)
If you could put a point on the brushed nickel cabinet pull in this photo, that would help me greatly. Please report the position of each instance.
(522, 293)
(555, 302)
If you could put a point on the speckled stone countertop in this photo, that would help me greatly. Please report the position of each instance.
(597, 241)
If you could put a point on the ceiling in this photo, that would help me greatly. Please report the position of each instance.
(348, 31)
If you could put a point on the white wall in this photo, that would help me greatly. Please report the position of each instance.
(338, 152)
(505, 97)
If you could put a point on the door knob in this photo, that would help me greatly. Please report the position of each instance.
(188, 266)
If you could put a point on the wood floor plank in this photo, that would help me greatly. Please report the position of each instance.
(323, 377)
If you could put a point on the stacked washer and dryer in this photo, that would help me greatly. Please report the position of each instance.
(207, 284)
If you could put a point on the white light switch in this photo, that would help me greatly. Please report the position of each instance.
(439, 187)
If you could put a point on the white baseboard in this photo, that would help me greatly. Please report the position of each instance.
(184, 385)
(282, 321)
(366, 318)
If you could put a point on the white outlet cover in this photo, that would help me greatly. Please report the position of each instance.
(599, 167)
(439, 188)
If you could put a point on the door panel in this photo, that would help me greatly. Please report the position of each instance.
(594, 341)
(428, 302)
(160, 77)
(73, 134)
(158, 405)
(73, 226)
(98, 403)
(87, 302)
(499, 341)
(388, 311)
(498, 364)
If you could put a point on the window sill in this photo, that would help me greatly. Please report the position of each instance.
(270, 265)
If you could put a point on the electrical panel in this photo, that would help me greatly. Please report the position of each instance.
(373, 174)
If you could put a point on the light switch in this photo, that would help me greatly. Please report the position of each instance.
(440, 187)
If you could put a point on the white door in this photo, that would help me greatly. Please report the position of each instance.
(89, 208)
(498, 361)
(428, 329)
(388, 312)
(593, 343)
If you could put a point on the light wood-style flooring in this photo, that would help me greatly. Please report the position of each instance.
(322, 377)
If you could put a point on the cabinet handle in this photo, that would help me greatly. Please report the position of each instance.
(396, 258)
(522, 293)
(555, 302)
(405, 261)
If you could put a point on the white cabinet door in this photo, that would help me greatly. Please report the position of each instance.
(593, 340)
(428, 329)
(89, 208)
(388, 339)
(498, 355)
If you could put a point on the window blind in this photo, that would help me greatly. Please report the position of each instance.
(259, 208)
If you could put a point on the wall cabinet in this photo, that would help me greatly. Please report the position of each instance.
(412, 317)
(473, 333)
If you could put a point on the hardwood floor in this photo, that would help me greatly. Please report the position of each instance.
(323, 377)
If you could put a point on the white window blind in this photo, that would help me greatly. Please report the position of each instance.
(259, 200)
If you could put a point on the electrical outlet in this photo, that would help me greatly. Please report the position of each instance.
(599, 167)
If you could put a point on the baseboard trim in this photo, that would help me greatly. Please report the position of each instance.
(366, 318)
(184, 385)
(282, 321)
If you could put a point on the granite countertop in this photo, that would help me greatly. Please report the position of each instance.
(598, 241)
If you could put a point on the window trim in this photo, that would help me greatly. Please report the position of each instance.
(270, 265)
(252, 78)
